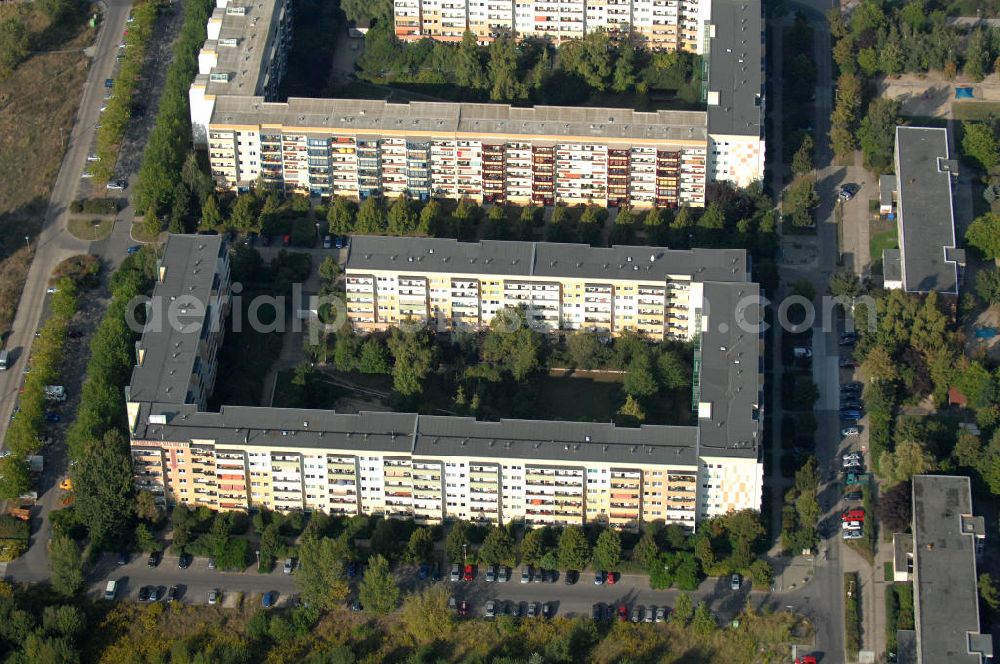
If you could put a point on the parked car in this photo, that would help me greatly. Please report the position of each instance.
(637, 612)
(802, 352)
(467, 575)
(134, 249)
(848, 339)
(805, 659)
(599, 578)
(117, 185)
(435, 572)
(853, 534)
(853, 464)
(184, 561)
(423, 571)
(267, 599)
(548, 609)
(661, 614)
(339, 242)
(352, 569)
(852, 478)
(526, 574)
(356, 606)
(172, 593)
(847, 363)
(211, 563)
(612, 578)
(847, 191)
(122, 558)
(153, 560)
(597, 612)
(453, 603)
(491, 574)
(286, 240)
(213, 596)
(456, 572)
(491, 609)
(856, 514)
(155, 593)
(571, 577)
(850, 431)
(622, 613)
(532, 609)
(850, 415)
(735, 582)
(52, 417)
(504, 574)
(650, 614)
(144, 593)
(853, 495)
(327, 242)
(852, 525)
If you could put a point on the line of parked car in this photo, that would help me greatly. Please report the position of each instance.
(851, 408)
(529, 574)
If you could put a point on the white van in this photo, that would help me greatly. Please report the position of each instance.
(111, 590)
(3, 360)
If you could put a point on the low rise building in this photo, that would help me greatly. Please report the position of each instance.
(433, 468)
(941, 562)
(928, 258)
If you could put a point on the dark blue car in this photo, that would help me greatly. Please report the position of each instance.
(52, 417)
(267, 600)
(424, 571)
(850, 415)
(133, 249)
(352, 569)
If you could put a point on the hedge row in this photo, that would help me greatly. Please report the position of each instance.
(118, 109)
(25, 432)
(94, 206)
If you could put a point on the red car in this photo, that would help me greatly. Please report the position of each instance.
(286, 240)
(806, 659)
(612, 578)
(467, 576)
(853, 515)
(622, 613)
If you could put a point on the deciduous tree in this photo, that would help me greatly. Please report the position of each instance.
(321, 578)
(378, 591)
(574, 549)
(608, 550)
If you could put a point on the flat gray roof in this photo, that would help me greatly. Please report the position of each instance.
(924, 213)
(902, 550)
(188, 266)
(886, 187)
(735, 71)
(946, 598)
(544, 259)
(376, 117)
(906, 646)
(731, 370)
(567, 442)
(245, 62)
(892, 265)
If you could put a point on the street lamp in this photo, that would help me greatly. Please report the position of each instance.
(258, 560)
(27, 242)
(464, 552)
